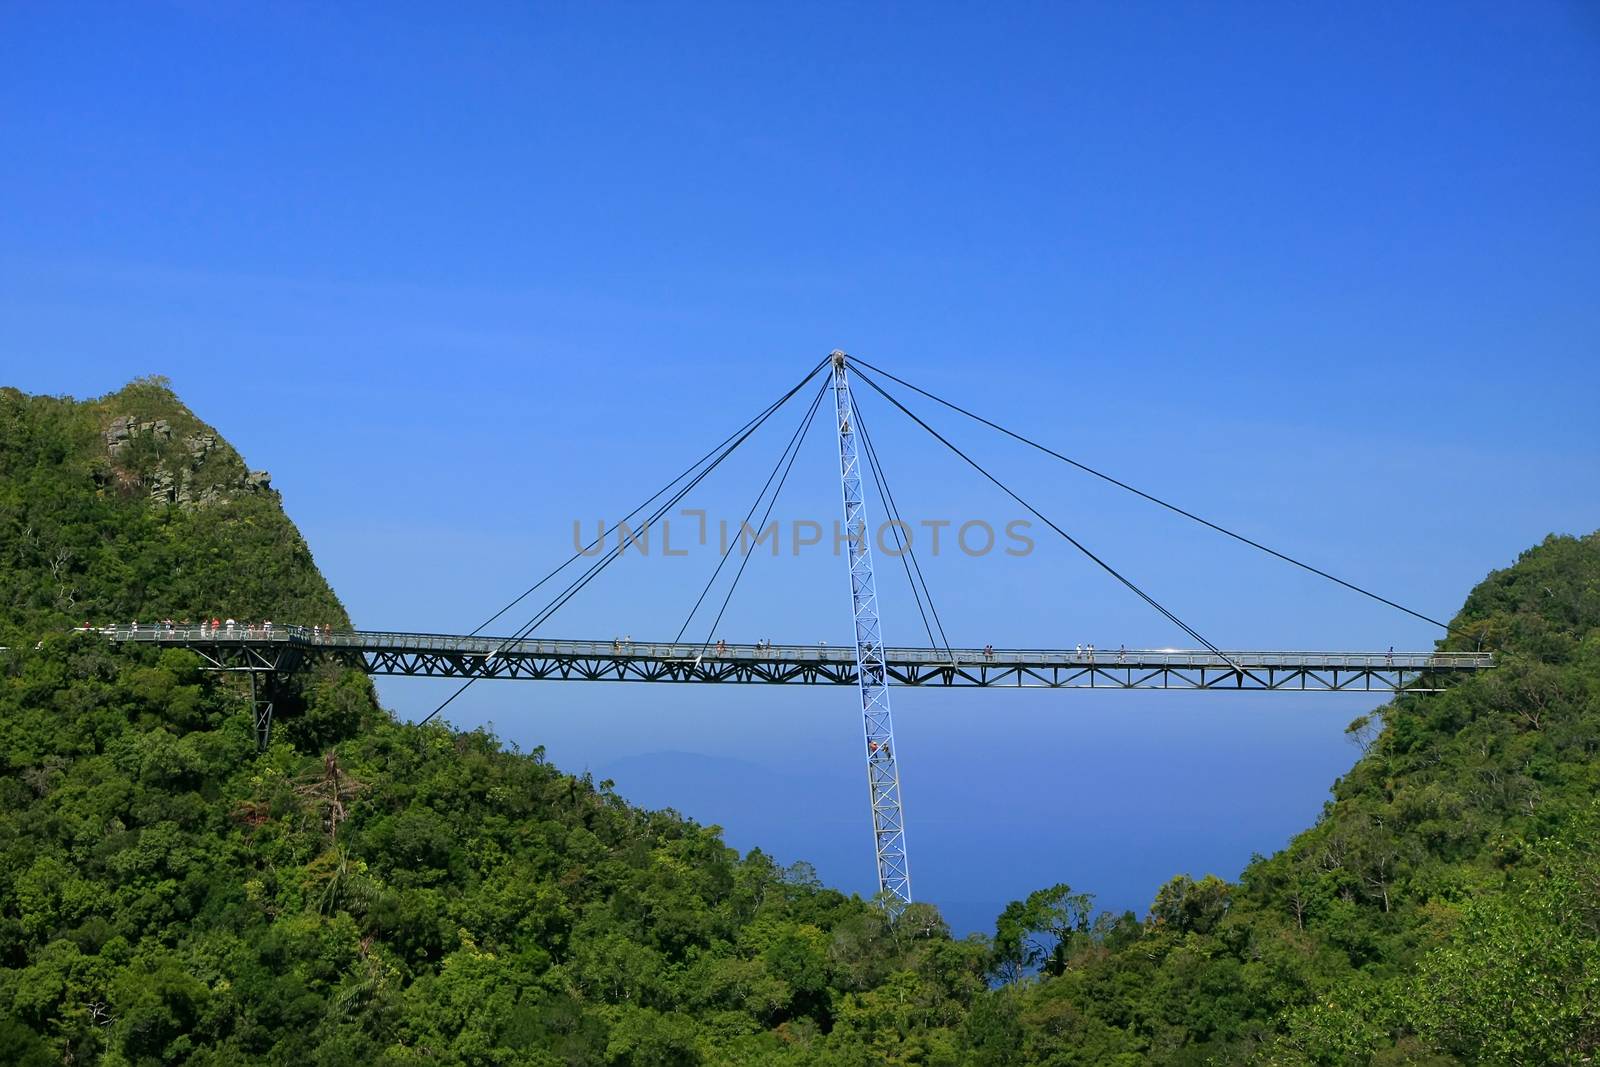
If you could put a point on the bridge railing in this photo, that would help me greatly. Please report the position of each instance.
(961, 658)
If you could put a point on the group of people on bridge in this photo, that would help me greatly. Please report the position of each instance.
(1082, 653)
(621, 645)
(216, 626)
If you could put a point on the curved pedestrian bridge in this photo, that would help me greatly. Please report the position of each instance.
(382, 652)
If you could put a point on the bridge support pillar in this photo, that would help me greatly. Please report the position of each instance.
(872, 676)
(263, 695)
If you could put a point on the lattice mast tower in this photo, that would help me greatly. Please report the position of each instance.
(883, 775)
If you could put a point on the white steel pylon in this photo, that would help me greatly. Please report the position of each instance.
(883, 775)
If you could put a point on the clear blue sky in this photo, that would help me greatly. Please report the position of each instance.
(457, 278)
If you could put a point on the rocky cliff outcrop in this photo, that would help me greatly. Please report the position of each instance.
(186, 469)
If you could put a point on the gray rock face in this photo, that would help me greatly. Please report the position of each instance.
(163, 486)
(200, 445)
(176, 478)
(124, 428)
(119, 434)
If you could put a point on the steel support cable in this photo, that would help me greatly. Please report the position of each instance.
(799, 431)
(1146, 597)
(1163, 503)
(615, 551)
(895, 523)
(611, 554)
(578, 584)
(774, 406)
(745, 561)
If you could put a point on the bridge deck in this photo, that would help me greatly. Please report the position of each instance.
(453, 656)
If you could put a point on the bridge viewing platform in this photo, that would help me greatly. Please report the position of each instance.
(260, 649)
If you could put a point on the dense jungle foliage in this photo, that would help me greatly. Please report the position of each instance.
(374, 892)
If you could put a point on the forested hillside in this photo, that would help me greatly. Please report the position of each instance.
(1444, 909)
(373, 892)
(365, 891)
